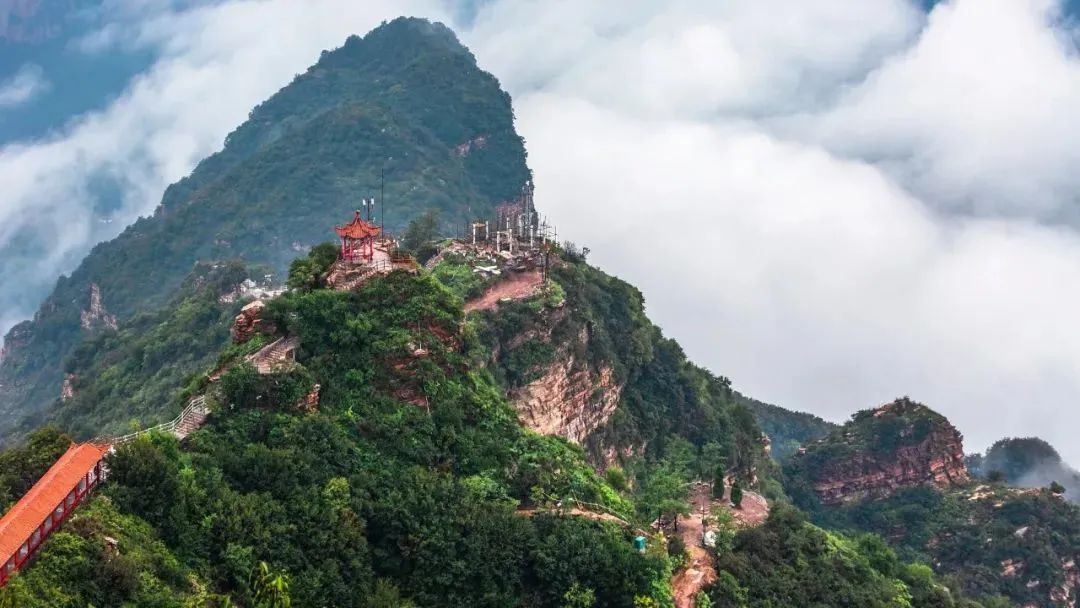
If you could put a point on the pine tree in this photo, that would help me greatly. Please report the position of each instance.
(736, 494)
(718, 482)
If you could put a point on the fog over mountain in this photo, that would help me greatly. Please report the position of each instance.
(832, 221)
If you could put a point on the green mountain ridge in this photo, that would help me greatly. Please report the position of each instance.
(374, 502)
(397, 102)
(389, 465)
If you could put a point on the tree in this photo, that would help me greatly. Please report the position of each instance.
(679, 455)
(271, 589)
(727, 592)
(1056, 488)
(736, 494)
(579, 597)
(387, 595)
(996, 476)
(307, 272)
(664, 492)
(421, 231)
(143, 476)
(718, 482)
(676, 548)
(616, 478)
(711, 456)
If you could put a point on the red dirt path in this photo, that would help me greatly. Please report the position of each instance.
(517, 286)
(699, 571)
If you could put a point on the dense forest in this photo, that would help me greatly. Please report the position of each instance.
(377, 499)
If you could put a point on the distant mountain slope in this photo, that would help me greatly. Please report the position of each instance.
(787, 429)
(404, 98)
(1027, 462)
(898, 445)
(897, 471)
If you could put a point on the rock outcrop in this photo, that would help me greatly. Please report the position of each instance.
(568, 400)
(18, 337)
(310, 403)
(249, 322)
(95, 316)
(67, 391)
(899, 445)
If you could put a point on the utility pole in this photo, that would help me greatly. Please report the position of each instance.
(382, 199)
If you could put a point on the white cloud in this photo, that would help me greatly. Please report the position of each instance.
(978, 116)
(832, 208)
(834, 203)
(816, 281)
(23, 86)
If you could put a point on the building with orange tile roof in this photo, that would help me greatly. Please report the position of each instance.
(37, 514)
(358, 237)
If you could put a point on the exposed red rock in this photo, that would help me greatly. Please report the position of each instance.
(310, 403)
(249, 322)
(856, 462)
(570, 401)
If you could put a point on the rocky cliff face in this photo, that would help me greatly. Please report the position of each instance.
(899, 445)
(95, 315)
(569, 400)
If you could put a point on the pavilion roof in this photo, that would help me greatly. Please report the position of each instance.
(357, 229)
(30, 512)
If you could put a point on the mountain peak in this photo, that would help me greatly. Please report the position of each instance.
(399, 114)
(395, 42)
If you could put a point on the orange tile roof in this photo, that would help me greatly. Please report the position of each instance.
(30, 512)
(357, 229)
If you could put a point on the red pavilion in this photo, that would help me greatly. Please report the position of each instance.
(357, 239)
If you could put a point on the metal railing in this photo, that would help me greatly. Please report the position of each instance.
(592, 506)
(381, 265)
(195, 407)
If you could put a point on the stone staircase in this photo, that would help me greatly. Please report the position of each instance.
(347, 277)
(274, 356)
(193, 417)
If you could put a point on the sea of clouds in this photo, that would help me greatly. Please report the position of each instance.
(834, 203)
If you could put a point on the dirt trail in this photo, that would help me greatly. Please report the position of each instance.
(699, 572)
(573, 512)
(754, 511)
(517, 286)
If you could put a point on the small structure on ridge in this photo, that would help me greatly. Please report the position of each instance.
(358, 237)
